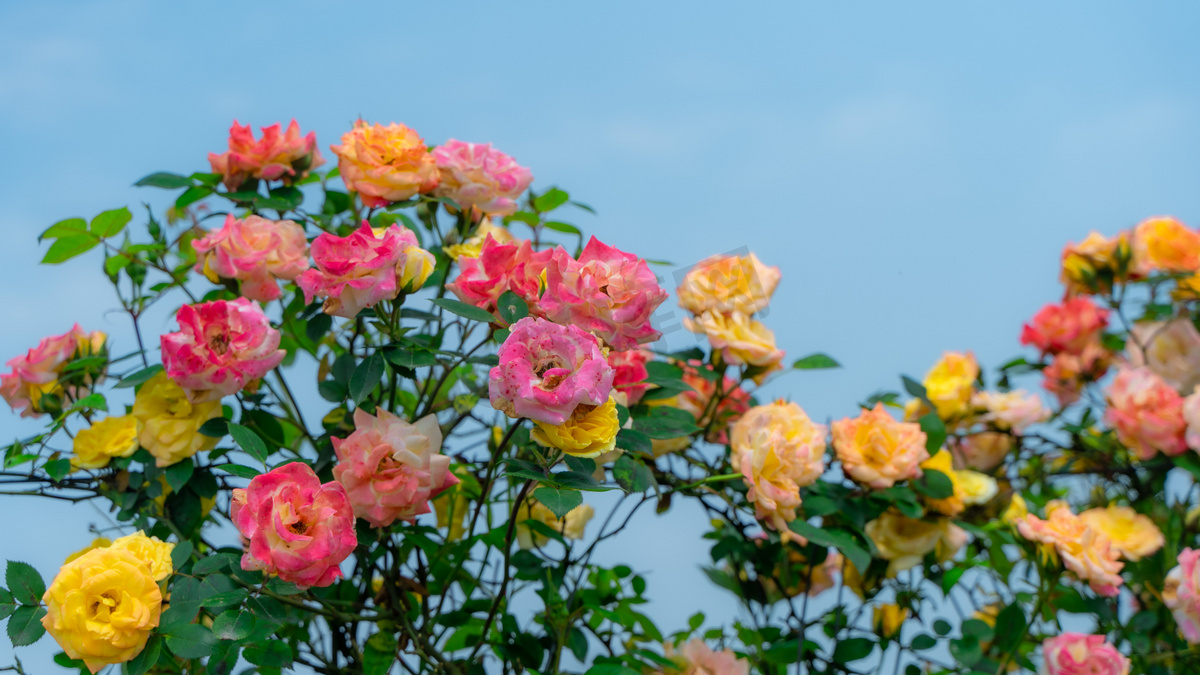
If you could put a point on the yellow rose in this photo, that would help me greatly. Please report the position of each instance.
(888, 619)
(904, 541)
(950, 383)
(108, 438)
(727, 284)
(589, 432)
(1016, 511)
(1133, 535)
(170, 423)
(473, 245)
(1091, 265)
(150, 550)
(740, 339)
(102, 606)
(418, 265)
(1167, 245)
(977, 488)
(571, 526)
(98, 542)
(944, 463)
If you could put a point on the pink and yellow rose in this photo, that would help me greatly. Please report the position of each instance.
(950, 383)
(1181, 594)
(1164, 244)
(1080, 654)
(36, 374)
(499, 267)
(297, 528)
(390, 468)
(477, 176)
(778, 450)
(278, 155)
(728, 284)
(741, 339)
(1084, 551)
(255, 251)
(385, 164)
(697, 658)
(1147, 413)
(878, 451)
(546, 370)
(364, 268)
(1014, 411)
(1067, 327)
(1067, 373)
(221, 348)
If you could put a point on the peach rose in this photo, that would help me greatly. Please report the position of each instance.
(385, 164)
(740, 339)
(391, 468)
(1133, 535)
(728, 284)
(878, 451)
(981, 451)
(1092, 265)
(778, 450)
(546, 370)
(904, 542)
(697, 658)
(1191, 415)
(1014, 411)
(1171, 349)
(1067, 374)
(255, 251)
(1084, 551)
(1164, 244)
(222, 347)
(950, 383)
(499, 267)
(1079, 654)
(363, 268)
(477, 176)
(1181, 594)
(277, 156)
(1146, 413)
(298, 528)
(607, 292)
(1067, 327)
(36, 374)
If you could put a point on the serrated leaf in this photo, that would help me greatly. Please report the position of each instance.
(565, 228)
(233, 625)
(935, 432)
(65, 248)
(239, 470)
(248, 441)
(1010, 626)
(853, 649)
(634, 441)
(190, 641)
(179, 473)
(366, 377)
(181, 554)
(165, 180)
(464, 310)
(511, 307)
(632, 475)
(24, 583)
(840, 539)
(71, 227)
(110, 223)
(25, 626)
(8, 604)
(217, 427)
(145, 659)
(814, 361)
(269, 654)
(189, 197)
(559, 501)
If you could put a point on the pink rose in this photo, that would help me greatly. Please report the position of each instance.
(1067, 327)
(360, 269)
(222, 347)
(607, 292)
(255, 251)
(697, 658)
(1068, 373)
(390, 468)
(298, 528)
(1191, 415)
(475, 175)
(1079, 654)
(36, 373)
(1146, 412)
(512, 266)
(1171, 349)
(629, 368)
(1015, 410)
(546, 370)
(385, 164)
(287, 157)
(1181, 594)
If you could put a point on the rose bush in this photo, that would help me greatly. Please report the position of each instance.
(484, 370)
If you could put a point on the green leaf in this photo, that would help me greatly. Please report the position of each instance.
(273, 654)
(239, 470)
(366, 377)
(233, 625)
(610, 669)
(550, 200)
(65, 248)
(840, 539)
(1010, 626)
(379, 654)
(977, 629)
(464, 310)
(179, 473)
(966, 650)
(951, 578)
(24, 583)
(71, 227)
(217, 427)
(664, 423)
(136, 378)
(110, 223)
(565, 228)
(181, 554)
(8, 604)
(633, 475)
(332, 391)
(577, 481)
(191, 196)
(559, 501)
(941, 627)
(248, 441)
(853, 649)
(582, 465)
(511, 307)
(213, 563)
(410, 358)
(190, 641)
(162, 179)
(935, 431)
(814, 361)
(913, 387)
(923, 641)
(25, 626)
(145, 659)
(318, 326)
(634, 441)
(934, 484)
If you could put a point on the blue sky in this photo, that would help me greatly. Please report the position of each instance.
(914, 168)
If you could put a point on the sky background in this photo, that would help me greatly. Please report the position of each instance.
(913, 168)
